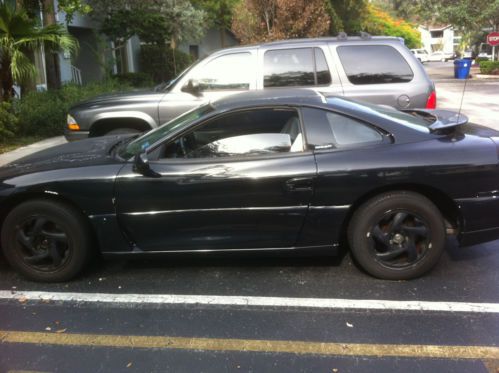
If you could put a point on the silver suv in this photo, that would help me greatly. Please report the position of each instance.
(380, 70)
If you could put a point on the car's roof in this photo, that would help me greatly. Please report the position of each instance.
(293, 96)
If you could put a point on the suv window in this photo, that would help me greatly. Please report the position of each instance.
(225, 73)
(244, 133)
(326, 129)
(295, 67)
(374, 64)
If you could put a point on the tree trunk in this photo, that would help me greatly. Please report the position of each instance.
(6, 80)
(51, 58)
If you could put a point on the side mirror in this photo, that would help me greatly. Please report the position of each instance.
(192, 87)
(141, 165)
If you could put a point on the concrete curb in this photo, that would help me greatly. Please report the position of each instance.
(30, 149)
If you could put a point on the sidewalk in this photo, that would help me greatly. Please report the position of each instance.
(29, 149)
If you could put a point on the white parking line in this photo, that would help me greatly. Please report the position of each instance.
(221, 300)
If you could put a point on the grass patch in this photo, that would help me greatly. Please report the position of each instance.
(16, 142)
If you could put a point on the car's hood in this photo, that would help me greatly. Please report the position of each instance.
(89, 152)
(120, 99)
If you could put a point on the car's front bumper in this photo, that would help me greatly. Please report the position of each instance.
(75, 135)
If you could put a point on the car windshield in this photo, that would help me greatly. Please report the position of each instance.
(149, 138)
(167, 86)
(413, 119)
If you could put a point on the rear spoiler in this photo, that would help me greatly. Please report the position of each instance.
(441, 119)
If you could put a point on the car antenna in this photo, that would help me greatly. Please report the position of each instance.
(462, 96)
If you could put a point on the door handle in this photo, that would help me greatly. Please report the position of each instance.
(299, 184)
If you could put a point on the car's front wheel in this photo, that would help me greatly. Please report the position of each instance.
(397, 235)
(46, 240)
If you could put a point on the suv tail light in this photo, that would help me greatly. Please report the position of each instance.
(431, 103)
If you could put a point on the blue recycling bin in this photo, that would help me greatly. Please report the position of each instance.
(462, 68)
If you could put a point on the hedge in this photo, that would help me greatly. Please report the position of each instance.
(489, 67)
(157, 62)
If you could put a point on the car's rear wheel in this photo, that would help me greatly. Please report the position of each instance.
(397, 235)
(46, 240)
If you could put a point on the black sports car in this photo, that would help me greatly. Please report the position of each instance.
(285, 171)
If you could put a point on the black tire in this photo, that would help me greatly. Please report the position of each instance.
(46, 240)
(123, 131)
(397, 235)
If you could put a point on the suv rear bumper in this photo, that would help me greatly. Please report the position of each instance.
(75, 135)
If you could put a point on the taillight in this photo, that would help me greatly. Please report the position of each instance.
(431, 103)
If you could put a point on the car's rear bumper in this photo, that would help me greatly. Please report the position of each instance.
(75, 135)
(480, 219)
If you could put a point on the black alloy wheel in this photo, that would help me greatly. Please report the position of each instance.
(46, 240)
(397, 235)
(400, 239)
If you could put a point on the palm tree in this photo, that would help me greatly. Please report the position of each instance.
(20, 34)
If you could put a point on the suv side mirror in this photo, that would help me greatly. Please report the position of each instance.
(141, 165)
(192, 87)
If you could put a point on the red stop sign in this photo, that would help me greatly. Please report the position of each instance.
(493, 38)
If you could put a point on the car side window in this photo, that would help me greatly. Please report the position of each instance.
(229, 72)
(296, 67)
(327, 129)
(243, 133)
(374, 64)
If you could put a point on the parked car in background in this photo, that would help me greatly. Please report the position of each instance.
(440, 56)
(421, 55)
(375, 69)
(265, 171)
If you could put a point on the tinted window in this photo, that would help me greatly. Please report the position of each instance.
(232, 71)
(374, 64)
(330, 130)
(244, 133)
(295, 67)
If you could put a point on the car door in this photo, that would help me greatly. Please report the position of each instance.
(379, 74)
(240, 181)
(218, 76)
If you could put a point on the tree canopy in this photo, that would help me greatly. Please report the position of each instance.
(265, 20)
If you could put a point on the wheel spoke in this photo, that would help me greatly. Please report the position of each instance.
(418, 231)
(37, 228)
(54, 254)
(397, 221)
(56, 236)
(380, 236)
(36, 258)
(25, 240)
(412, 253)
(391, 254)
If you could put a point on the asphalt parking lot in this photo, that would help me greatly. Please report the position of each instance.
(260, 314)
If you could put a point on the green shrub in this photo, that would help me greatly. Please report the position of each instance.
(157, 62)
(489, 67)
(136, 80)
(44, 113)
(481, 59)
(8, 121)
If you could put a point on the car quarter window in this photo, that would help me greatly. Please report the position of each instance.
(243, 133)
(326, 129)
(374, 64)
(298, 67)
(233, 71)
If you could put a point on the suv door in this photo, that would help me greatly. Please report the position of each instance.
(218, 76)
(380, 74)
